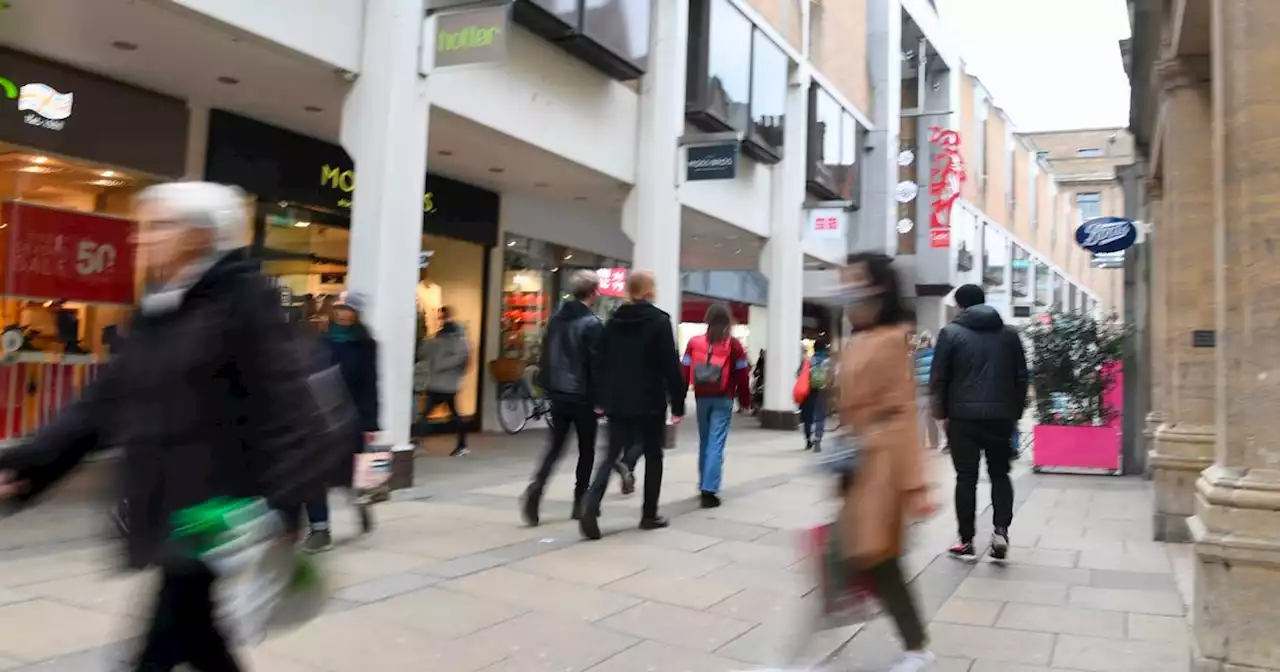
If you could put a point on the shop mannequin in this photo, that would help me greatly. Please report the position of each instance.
(430, 299)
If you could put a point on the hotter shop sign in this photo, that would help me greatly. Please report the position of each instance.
(468, 36)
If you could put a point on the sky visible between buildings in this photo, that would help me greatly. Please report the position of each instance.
(1051, 64)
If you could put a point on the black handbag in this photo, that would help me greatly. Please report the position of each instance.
(707, 374)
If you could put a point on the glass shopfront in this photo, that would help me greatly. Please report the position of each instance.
(75, 148)
(303, 190)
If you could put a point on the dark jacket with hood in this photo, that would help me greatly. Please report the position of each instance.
(979, 369)
(640, 372)
(206, 397)
(569, 366)
(355, 353)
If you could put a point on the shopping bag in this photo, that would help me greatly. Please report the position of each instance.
(847, 596)
(801, 390)
(372, 475)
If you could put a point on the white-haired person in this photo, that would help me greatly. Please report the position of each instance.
(202, 397)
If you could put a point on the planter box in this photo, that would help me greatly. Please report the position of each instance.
(1080, 447)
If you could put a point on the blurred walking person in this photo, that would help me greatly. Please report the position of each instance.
(813, 410)
(206, 399)
(978, 385)
(569, 373)
(445, 358)
(889, 485)
(349, 346)
(640, 379)
(930, 429)
(716, 365)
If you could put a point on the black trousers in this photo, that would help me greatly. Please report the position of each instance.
(582, 418)
(895, 596)
(646, 433)
(450, 400)
(182, 626)
(970, 440)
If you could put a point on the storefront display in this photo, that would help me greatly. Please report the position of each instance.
(303, 189)
(74, 150)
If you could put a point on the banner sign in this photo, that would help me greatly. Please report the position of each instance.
(1102, 235)
(946, 179)
(66, 255)
(827, 223)
(613, 282)
(469, 36)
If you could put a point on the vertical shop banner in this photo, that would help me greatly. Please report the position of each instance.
(66, 255)
(613, 282)
(946, 179)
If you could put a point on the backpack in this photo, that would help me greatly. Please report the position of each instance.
(819, 373)
(711, 376)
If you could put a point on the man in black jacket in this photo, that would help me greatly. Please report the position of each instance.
(640, 378)
(978, 384)
(569, 373)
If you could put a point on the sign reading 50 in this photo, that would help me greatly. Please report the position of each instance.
(92, 258)
(344, 180)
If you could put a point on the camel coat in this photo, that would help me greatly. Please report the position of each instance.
(878, 401)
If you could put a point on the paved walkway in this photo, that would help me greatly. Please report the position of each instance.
(451, 581)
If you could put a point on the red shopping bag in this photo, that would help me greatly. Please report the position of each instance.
(801, 390)
(848, 596)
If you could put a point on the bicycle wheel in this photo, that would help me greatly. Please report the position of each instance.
(513, 408)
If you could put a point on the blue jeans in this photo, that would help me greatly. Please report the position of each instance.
(714, 414)
(813, 415)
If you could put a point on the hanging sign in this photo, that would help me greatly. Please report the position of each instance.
(468, 36)
(711, 162)
(613, 282)
(66, 255)
(827, 223)
(947, 177)
(1102, 235)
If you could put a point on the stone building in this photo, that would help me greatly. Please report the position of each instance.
(1204, 109)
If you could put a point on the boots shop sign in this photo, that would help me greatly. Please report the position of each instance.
(51, 107)
(1105, 235)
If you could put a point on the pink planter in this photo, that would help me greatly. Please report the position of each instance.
(1079, 447)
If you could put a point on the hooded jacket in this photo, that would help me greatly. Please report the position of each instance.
(444, 358)
(979, 369)
(640, 366)
(569, 368)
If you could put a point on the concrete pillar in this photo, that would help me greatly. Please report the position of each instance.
(384, 129)
(651, 213)
(879, 212)
(1237, 523)
(1156, 317)
(1184, 441)
(783, 261)
(197, 141)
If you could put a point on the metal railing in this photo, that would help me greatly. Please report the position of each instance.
(34, 387)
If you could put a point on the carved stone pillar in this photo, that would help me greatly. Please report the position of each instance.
(1184, 440)
(1237, 523)
(1156, 327)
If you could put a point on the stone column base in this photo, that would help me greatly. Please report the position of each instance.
(1237, 588)
(1181, 453)
(785, 420)
(1150, 424)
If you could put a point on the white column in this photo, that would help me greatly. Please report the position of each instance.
(879, 212)
(783, 261)
(197, 140)
(384, 129)
(651, 214)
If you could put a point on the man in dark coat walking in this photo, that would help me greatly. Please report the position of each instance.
(978, 385)
(569, 373)
(640, 379)
(207, 397)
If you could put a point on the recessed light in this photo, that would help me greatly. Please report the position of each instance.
(511, 243)
(738, 251)
(228, 80)
(695, 237)
(125, 46)
(579, 198)
(718, 245)
(313, 108)
(108, 183)
(108, 173)
(540, 185)
(444, 152)
(497, 170)
(301, 225)
(40, 159)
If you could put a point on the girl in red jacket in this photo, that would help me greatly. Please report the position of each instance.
(717, 367)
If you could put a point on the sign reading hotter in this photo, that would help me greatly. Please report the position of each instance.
(45, 106)
(471, 36)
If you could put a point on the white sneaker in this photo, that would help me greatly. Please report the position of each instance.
(915, 661)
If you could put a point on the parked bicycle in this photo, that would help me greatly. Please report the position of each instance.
(519, 400)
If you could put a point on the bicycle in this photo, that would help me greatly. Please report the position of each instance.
(518, 403)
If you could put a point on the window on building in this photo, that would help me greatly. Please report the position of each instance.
(835, 140)
(1033, 197)
(980, 149)
(621, 26)
(1042, 154)
(1011, 172)
(1088, 153)
(1089, 205)
(770, 69)
(611, 35)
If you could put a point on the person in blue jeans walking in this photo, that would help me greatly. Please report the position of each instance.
(716, 365)
(813, 410)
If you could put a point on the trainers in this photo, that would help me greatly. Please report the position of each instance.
(318, 541)
(628, 478)
(963, 551)
(710, 500)
(460, 451)
(915, 661)
(1000, 544)
(654, 523)
(529, 506)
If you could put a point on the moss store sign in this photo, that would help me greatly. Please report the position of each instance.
(467, 36)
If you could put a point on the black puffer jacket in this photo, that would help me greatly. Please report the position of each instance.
(206, 400)
(569, 367)
(642, 373)
(979, 369)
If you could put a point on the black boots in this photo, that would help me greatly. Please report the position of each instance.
(710, 500)
(529, 503)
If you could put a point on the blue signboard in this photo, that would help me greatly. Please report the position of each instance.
(1101, 235)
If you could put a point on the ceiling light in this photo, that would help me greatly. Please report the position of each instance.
(228, 80)
(108, 173)
(738, 251)
(540, 185)
(108, 183)
(313, 108)
(511, 243)
(124, 46)
(445, 152)
(718, 245)
(695, 237)
(42, 170)
(497, 170)
(40, 159)
(555, 270)
(568, 256)
(301, 225)
(579, 198)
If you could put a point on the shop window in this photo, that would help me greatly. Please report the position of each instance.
(835, 140)
(718, 83)
(610, 35)
(770, 69)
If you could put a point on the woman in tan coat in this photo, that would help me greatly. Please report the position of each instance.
(878, 401)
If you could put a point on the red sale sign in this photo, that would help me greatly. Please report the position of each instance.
(613, 282)
(66, 255)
